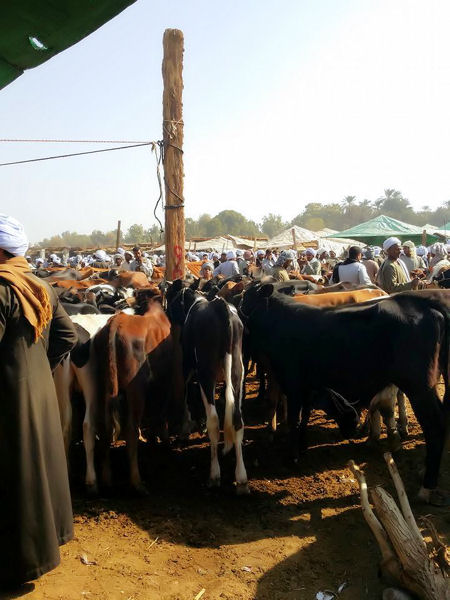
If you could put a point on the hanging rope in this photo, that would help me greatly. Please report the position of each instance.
(48, 141)
(21, 162)
(157, 148)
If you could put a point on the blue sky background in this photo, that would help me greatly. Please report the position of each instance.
(285, 103)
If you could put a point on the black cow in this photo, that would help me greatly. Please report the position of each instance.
(407, 332)
(212, 350)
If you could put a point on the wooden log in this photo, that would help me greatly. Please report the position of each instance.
(418, 573)
(403, 498)
(368, 514)
(172, 71)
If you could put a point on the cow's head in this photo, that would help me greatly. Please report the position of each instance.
(255, 297)
(339, 409)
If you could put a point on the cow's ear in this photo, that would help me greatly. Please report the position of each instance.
(177, 285)
(265, 290)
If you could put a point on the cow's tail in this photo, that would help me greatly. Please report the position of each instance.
(112, 387)
(228, 429)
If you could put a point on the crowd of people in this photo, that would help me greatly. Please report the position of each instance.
(395, 266)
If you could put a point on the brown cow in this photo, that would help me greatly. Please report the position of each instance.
(135, 350)
(339, 298)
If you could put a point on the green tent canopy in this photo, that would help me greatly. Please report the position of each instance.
(376, 230)
(33, 31)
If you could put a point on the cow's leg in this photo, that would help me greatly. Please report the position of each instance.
(260, 374)
(274, 393)
(429, 412)
(63, 378)
(303, 427)
(135, 395)
(387, 410)
(402, 415)
(86, 377)
(294, 406)
(207, 389)
(105, 430)
(234, 424)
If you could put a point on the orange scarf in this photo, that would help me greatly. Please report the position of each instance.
(34, 299)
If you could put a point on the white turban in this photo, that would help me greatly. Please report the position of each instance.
(260, 253)
(390, 242)
(12, 236)
(120, 251)
(310, 251)
(421, 251)
(231, 254)
(100, 255)
(239, 253)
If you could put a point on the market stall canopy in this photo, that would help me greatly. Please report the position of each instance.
(378, 229)
(32, 32)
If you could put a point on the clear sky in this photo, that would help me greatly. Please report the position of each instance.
(286, 102)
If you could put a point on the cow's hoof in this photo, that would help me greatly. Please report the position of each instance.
(242, 489)
(404, 432)
(439, 497)
(214, 482)
(140, 491)
(92, 490)
(394, 441)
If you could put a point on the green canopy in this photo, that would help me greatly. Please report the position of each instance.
(33, 31)
(380, 228)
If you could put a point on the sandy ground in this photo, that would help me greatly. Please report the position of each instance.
(300, 531)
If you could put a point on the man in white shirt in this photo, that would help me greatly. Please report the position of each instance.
(228, 268)
(141, 262)
(352, 270)
(126, 264)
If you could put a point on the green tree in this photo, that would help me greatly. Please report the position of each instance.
(273, 224)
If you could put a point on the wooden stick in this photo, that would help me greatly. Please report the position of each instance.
(403, 498)
(374, 524)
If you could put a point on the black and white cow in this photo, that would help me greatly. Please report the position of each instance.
(212, 351)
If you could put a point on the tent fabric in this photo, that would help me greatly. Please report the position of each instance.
(380, 228)
(285, 239)
(55, 25)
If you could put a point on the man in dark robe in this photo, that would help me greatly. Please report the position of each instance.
(35, 335)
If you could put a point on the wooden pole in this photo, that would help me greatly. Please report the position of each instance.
(294, 238)
(172, 72)
(424, 237)
(118, 235)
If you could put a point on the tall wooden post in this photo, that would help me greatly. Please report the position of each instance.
(172, 71)
(294, 238)
(118, 235)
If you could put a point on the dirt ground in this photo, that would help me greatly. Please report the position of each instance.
(300, 531)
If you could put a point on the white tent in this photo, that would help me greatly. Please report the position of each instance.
(285, 239)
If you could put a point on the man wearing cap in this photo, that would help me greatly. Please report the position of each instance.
(35, 335)
(241, 262)
(279, 271)
(100, 260)
(312, 265)
(410, 258)
(393, 275)
(228, 268)
(372, 267)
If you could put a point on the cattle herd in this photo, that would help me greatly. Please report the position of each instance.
(167, 345)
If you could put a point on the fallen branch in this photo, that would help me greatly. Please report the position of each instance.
(405, 560)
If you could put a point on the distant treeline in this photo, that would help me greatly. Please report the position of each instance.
(337, 215)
